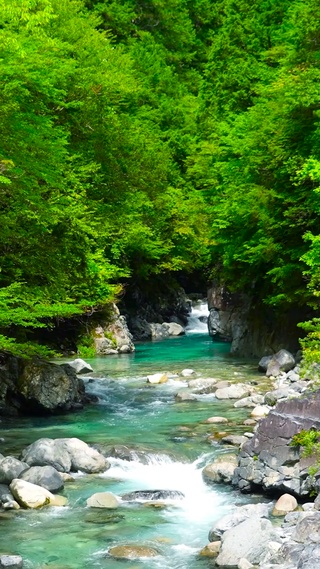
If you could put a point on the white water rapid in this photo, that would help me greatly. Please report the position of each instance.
(197, 321)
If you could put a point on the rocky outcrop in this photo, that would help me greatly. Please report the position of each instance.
(38, 387)
(147, 309)
(252, 328)
(268, 461)
(112, 336)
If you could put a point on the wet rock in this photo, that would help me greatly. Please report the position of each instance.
(153, 495)
(203, 385)
(11, 468)
(216, 420)
(46, 476)
(187, 372)
(132, 551)
(157, 378)
(103, 500)
(221, 470)
(184, 396)
(102, 516)
(211, 549)
(80, 366)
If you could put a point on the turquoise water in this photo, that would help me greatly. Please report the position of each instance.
(176, 447)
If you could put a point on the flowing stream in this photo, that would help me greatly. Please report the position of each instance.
(172, 446)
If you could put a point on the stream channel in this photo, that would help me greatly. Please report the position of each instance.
(143, 417)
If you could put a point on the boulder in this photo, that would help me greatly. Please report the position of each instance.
(268, 461)
(158, 331)
(263, 363)
(251, 401)
(187, 372)
(174, 329)
(38, 387)
(46, 476)
(236, 391)
(80, 366)
(248, 540)
(281, 361)
(260, 411)
(83, 457)
(132, 551)
(240, 514)
(11, 468)
(32, 496)
(216, 420)
(157, 378)
(185, 395)
(11, 562)
(308, 529)
(45, 452)
(203, 385)
(103, 500)
(235, 440)
(221, 470)
(65, 455)
(211, 549)
(286, 503)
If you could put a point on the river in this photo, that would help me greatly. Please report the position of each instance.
(175, 446)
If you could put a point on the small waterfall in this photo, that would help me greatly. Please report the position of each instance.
(198, 319)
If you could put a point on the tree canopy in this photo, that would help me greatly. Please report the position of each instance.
(144, 138)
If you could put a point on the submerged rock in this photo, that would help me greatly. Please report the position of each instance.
(153, 495)
(132, 551)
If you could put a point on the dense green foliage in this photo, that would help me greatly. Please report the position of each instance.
(141, 138)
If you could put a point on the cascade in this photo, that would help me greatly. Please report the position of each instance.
(198, 318)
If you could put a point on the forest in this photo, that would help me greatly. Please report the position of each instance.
(157, 137)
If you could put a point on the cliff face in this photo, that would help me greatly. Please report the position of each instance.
(252, 328)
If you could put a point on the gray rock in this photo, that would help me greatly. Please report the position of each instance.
(45, 452)
(268, 460)
(308, 529)
(11, 561)
(221, 470)
(174, 329)
(153, 495)
(240, 514)
(247, 540)
(46, 476)
(263, 363)
(274, 369)
(284, 359)
(235, 440)
(310, 557)
(11, 468)
(236, 391)
(251, 401)
(6, 498)
(185, 395)
(80, 366)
